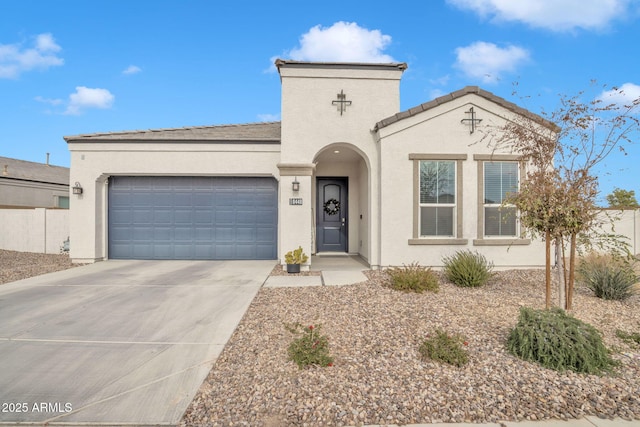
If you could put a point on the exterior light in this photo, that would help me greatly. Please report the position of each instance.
(77, 188)
(295, 185)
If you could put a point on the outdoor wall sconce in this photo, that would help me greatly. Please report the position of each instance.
(295, 185)
(77, 188)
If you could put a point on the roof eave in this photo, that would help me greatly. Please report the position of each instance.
(467, 90)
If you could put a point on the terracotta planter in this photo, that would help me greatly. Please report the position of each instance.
(293, 268)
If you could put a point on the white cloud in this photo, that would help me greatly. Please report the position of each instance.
(268, 117)
(16, 59)
(554, 15)
(624, 96)
(85, 97)
(436, 93)
(342, 42)
(49, 101)
(487, 62)
(132, 69)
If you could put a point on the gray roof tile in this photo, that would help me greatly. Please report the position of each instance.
(267, 132)
(31, 171)
(457, 94)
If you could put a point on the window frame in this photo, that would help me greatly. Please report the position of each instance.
(417, 239)
(482, 239)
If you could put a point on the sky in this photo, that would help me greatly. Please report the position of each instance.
(71, 67)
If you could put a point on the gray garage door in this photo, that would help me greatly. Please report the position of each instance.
(153, 217)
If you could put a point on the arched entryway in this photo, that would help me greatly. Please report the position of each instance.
(341, 194)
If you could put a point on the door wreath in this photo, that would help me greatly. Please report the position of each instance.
(332, 207)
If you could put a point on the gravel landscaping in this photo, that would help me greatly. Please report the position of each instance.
(378, 376)
(22, 265)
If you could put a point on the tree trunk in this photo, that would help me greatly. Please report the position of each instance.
(572, 271)
(561, 276)
(547, 277)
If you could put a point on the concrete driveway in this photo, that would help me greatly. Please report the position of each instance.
(117, 342)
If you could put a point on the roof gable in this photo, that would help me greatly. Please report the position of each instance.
(266, 132)
(458, 94)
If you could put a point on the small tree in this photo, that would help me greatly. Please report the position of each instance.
(557, 199)
(620, 198)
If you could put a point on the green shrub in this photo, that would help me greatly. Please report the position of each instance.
(467, 269)
(445, 348)
(632, 338)
(310, 348)
(413, 277)
(559, 341)
(608, 277)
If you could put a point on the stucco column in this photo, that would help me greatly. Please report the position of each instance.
(295, 211)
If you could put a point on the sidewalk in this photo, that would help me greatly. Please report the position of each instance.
(588, 421)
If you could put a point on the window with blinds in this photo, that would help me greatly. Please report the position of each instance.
(437, 198)
(500, 179)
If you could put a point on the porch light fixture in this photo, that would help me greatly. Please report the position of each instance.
(77, 189)
(295, 185)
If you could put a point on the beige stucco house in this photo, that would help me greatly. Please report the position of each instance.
(343, 172)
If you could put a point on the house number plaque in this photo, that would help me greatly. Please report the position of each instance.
(295, 201)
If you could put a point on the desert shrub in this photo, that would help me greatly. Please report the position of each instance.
(608, 277)
(467, 269)
(631, 338)
(310, 348)
(446, 348)
(559, 341)
(413, 277)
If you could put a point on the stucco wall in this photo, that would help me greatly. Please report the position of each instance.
(624, 223)
(16, 192)
(433, 132)
(92, 163)
(311, 123)
(34, 230)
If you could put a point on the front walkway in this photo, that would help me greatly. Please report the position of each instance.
(336, 270)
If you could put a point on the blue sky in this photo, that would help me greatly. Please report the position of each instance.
(72, 67)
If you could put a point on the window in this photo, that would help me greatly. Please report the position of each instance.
(62, 202)
(500, 179)
(437, 198)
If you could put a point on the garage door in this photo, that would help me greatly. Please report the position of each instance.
(153, 217)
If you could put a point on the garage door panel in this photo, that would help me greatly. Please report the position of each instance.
(225, 217)
(203, 235)
(245, 234)
(162, 234)
(245, 217)
(182, 217)
(192, 217)
(183, 234)
(203, 217)
(265, 235)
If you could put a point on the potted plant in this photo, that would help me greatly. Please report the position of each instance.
(294, 259)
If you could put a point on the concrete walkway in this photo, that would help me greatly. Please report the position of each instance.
(336, 270)
(117, 342)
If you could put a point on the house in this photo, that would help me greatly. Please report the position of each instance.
(343, 172)
(33, 185)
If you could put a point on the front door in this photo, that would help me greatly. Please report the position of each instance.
(331, 226)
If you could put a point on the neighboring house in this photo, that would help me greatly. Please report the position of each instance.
(343, 172)
(33, 185)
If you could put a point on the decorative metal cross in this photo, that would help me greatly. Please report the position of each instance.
(341, 102)
(472, 120)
